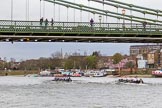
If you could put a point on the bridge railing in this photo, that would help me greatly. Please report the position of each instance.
(77, 27)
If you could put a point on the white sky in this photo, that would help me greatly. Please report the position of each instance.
(21, 11)
(36, 50)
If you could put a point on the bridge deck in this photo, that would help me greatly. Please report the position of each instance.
(79, 32)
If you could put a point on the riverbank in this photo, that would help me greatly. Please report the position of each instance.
(17, 72)
(23, 73)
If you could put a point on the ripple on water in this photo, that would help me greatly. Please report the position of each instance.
(32, 92)
(18, 81)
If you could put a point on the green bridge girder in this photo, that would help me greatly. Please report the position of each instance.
(135, 6)
(130, 7)
(104, 12)
(32, 31)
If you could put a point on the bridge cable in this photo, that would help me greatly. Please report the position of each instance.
(40, 8)
(59, 12)
(131, 15)
(54, 11)
(129, 7)
(43, 9)
(74, 12)
(88, 12)
(92, 11)
(117, 18)
(26, 9)
(67, 14)
(103, 9)
(107, 11)
(11, 10)
(144, 17)
(94, 16)
(81, 15)
(106, 19)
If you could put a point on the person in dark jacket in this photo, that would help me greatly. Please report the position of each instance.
(91, 22)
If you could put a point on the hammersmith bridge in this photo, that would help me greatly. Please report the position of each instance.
(113, 21)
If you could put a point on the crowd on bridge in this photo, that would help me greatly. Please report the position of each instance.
(46, 22)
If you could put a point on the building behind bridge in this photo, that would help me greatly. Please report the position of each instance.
(151, 54)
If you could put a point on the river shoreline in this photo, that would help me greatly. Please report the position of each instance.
(134, 75)
(32, 72)
(111, 76)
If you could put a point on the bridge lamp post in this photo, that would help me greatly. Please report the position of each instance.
(123, 12)
(100, 17)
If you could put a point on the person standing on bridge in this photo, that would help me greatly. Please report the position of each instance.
(52, 22)
(41, 21)
(91, 22)
(46, 23)
(144, 25)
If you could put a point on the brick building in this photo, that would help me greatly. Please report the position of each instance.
(151, 53)
(144, 49)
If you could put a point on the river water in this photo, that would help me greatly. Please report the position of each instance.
(84, 92)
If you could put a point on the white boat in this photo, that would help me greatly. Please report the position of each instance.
(99, 74)
(45, 73)
(32, 75)
(89, 73)
(93, 73)
(157, 73)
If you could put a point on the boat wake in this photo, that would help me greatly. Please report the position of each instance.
(18, 81)
(94, 80)
(115, 81)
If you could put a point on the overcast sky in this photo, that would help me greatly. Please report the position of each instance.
(22, 11)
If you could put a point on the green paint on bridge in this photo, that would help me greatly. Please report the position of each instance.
(75, 31)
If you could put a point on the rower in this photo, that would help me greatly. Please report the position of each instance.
(141, 81)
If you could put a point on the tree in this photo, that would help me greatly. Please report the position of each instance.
(91, 62)
(96, 53)
(117, 57)
(74, 62)
(56, 63)
(69, 64)
(1, 65)
(130, 65)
